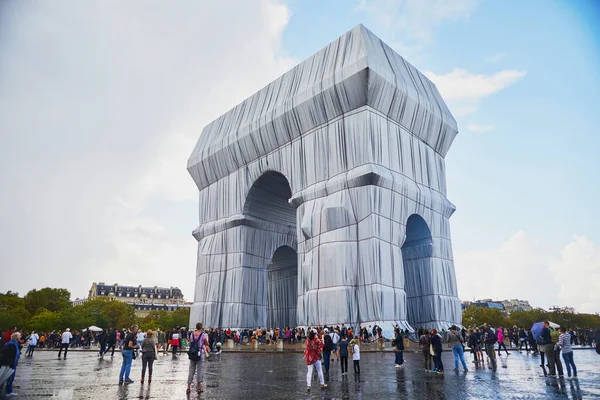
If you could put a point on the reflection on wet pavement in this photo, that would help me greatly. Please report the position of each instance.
(282, 376)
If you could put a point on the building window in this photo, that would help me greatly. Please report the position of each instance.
(101, 293)
(127, 294)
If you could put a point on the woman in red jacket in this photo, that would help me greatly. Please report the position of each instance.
(312, 353)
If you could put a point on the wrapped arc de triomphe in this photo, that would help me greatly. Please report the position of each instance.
(323, 198)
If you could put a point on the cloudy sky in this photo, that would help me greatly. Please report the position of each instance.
(101, 104)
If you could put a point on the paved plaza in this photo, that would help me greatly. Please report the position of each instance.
(268, 375)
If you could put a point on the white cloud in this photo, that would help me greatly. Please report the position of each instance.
(97, 127)
(577, 273)
(410, 25)
(494, 58)
(480, 128)
(463, 90)
(523, 268)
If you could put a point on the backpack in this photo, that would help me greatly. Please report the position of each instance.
(328, 344)
(194, 350)
(554, 335)
(491, 337)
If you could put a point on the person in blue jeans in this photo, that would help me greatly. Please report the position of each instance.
(327, 349)
(129, 346)
(10, 358)
(436, 342)
(564, 344)
(398, 344)
(458, 352)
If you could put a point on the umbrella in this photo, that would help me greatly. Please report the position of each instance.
(94, 328)
(5, 373)
(536, 330)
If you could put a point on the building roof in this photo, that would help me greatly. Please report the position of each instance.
(356, 70)
(101, 287)
(488, 304)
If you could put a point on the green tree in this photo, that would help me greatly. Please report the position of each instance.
(47, 298)
(476, 316)
(44, 320)
(180, 317)
(526, 319)
(118, 314)
(12, 311)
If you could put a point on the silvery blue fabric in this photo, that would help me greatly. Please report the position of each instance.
(323, 198)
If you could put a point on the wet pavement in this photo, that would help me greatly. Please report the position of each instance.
(282, 376)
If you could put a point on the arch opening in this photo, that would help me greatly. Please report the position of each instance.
(268, 200)
(283, 288)
(417, 251)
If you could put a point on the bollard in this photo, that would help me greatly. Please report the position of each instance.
(380, 344)
(406, 343)
(280, 344)
(254, 345)
(229, 344)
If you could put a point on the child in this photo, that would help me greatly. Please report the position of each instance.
(355, 355)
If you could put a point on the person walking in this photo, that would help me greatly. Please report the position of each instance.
(436, 342)
(343, 355)
(424, 343)
(33, 342)
(553, 361)
(398, 343)
(523, 339)
(564, 344)
(356, 356)
(101, 339)
(335, 339)
(65, 342)
(456, 341)
(327, 349)
(10, 358)
(489, 339)
(196, 353)
(175, 341)
(148, 355)
(473, 342)
(129, 346)
(501, 343)
(162, 341)
(312, 354)
(139, 337)
(111, 340)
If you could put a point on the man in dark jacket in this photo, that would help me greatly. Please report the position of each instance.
(553, 358)
(10, 358)
(489, 338)
(327, 349)
(111, 340)
(523, 339)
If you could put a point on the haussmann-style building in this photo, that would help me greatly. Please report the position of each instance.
(323, 198)
(143, 299)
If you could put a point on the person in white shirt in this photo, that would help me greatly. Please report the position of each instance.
(335, 338)
(33, 341)
(140, 338)
(356, 357)
(65, 341)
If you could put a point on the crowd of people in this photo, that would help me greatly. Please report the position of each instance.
(322, 346)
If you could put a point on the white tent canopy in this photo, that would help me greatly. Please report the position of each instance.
(554, 325)
(93, 328)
